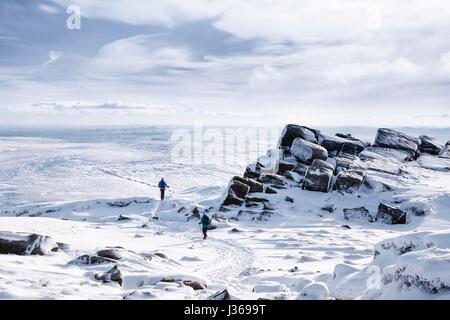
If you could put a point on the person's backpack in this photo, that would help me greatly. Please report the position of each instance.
(205, 219)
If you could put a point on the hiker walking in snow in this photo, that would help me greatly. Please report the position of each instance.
(204, 221)
(162, 185)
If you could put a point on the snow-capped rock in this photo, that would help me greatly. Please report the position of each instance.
(306, 152)
(390, 215)
(319, 176)
(388, 138)
(315, 291)
(334, 145)
(26, 244)
(349, 181)
(430, 145)
(293, 131)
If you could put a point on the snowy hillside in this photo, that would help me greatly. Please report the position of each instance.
(319, 217)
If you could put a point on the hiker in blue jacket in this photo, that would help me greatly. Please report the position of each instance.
(204, 221)
(162, 185)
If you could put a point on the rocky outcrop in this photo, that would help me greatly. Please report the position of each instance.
(388, 138)
(346, 161)
(390, 215)
(236, 194)
(349, 181)
(334, 145)
(301, 169)
(26, 244)
(430, 145)
(271, 179)
(295, 177)
(306, 152)
(293, 131)
(252, 172)
(284, 167)
(254, 185)
(319, 176)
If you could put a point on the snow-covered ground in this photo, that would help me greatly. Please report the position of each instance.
(73, 185)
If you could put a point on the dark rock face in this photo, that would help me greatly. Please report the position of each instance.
(284, 166)
(289, 199)
(358, 214)
(319, 176)
(112, 254)
(256, 199)
(306, 152)
(329, 208)
(387, 138)
(236, 193)
(239, 189)
(293, 176)
(346, 161)
(119, 203)
(123, 218)
(391, 215)
(348, 136)
(292, 131)
(221, 295)
(252, 172)
(26, 244)
(349, 181)
(430, 145)
(354, 148)
(254, 185)
(271, 179)
(301, 169)
(270, 190)
(113, 275)
(334, 145)
(445, 153)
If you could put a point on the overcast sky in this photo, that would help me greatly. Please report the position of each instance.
(254, 62)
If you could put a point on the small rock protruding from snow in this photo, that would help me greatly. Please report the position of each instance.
(221, 295)
(26, 244)
(112, 275)
(329, 208)
(391, 215)
(91, 260)
(315, 291)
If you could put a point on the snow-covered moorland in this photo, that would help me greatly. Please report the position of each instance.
(336, 218)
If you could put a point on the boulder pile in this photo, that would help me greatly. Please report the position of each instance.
(308, 159)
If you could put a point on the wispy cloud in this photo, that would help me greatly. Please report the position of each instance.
(48, 8)
(53, 56)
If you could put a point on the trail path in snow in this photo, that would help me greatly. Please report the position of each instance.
(231, 259)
